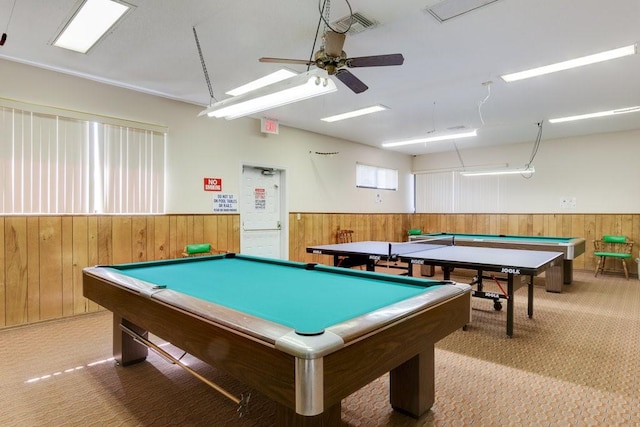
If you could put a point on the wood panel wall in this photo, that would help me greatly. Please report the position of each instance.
(41, 257)
(312, 229)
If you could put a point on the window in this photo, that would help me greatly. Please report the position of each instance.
(51, 164)
(449, 192)
(376, 177)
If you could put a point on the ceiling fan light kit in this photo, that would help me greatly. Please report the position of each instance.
(303, 86)
(335, 61)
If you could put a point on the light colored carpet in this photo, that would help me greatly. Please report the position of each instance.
(576, 363)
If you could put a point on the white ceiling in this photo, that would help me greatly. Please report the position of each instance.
(440, 85)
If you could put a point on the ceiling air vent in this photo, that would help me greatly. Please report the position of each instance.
(357, 21)
(449, 9)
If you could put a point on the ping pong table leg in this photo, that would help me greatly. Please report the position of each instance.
(510, 305)
(530, 298)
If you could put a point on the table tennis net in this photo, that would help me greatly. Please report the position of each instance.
(399, 249)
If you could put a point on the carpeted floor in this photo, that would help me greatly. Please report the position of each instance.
(576, 363)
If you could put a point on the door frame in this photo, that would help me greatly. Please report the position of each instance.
(284, 205)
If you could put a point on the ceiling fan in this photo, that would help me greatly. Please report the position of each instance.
(333, 59)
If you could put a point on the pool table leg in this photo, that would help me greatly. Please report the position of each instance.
(287, 417)
(412, 387)
(553, 278)
(126, 350)
(567, 266)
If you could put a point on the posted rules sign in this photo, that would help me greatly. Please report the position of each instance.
(213, 184)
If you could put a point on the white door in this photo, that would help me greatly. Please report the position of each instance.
(261, 213)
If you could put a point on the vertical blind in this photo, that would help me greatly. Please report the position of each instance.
(51, 164)
(368, 176)
(450, 192)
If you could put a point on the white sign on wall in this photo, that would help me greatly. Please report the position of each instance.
(225, 203)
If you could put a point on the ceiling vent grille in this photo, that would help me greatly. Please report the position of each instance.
(353, 24)
(449, 9)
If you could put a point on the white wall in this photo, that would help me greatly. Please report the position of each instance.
(602, 173)
(202, 147)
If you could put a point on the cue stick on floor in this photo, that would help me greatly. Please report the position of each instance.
(242, 401)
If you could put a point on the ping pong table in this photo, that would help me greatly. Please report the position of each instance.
(509, 263)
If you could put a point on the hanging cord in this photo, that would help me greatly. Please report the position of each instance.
(459, 156)
(324, 7)
(534, 151)
(3, 38)
(536, 145)
(204, 68)
(326, 19)
(488, 85)
(315, 40)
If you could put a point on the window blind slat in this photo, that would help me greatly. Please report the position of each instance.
(54, 164)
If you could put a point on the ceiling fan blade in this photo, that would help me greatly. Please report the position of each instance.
(333, 43)
(287, 61)
(351, 81)
(376, 60)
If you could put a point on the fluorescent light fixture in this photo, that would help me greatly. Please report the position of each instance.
(262, 82)
(573, 63)
(90, 23)
(355, 113)
(432, 139)
(530, 170)
(598, 114)
(303, 86)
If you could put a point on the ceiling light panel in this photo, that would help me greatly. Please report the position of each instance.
(277, 76)
(355, 113)
(572, 63)
(449, 9)
(297, 88)
(596, 115)
(90, 23)
(528, 170)
(446, 137)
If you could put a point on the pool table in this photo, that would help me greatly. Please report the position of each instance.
(571, 247)
(304, 335)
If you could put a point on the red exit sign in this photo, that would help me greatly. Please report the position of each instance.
(213, 184)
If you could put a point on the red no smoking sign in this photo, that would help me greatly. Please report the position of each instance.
(213, 184)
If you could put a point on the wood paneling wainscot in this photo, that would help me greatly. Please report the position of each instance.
(309, 229)
(42, 257)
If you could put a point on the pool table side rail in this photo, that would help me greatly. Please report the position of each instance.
(572, 247)
(391, 314)
(284, 337)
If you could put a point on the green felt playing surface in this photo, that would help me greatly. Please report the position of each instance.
(286, 293)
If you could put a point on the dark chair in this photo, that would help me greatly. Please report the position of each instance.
(616, 247)
(346, 236)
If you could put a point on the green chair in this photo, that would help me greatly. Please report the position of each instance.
(616, 247)
(200, 249)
